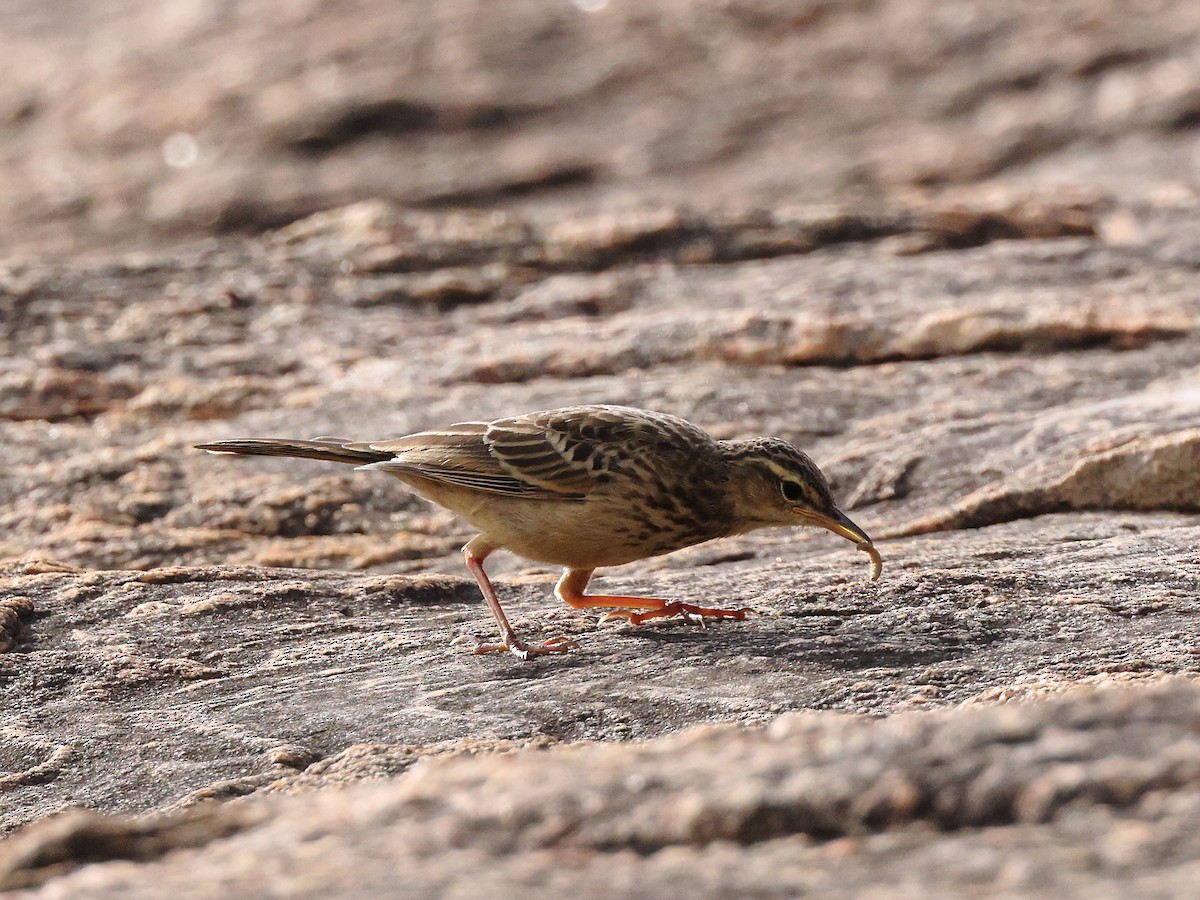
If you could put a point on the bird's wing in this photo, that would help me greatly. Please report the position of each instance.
(572, 450)
(559, 454)
(545, 450)
(515, 457)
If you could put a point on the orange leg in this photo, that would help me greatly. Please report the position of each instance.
(476, 551)
(570, 589)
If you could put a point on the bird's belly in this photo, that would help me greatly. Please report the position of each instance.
(571, 534)
(577, 534)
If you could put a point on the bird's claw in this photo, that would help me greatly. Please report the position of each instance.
(688, 612)
(518, 648)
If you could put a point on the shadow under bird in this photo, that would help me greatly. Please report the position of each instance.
(591, 486)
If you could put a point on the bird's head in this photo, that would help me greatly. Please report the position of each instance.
(772, 483)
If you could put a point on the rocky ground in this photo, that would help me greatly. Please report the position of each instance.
(972, 294)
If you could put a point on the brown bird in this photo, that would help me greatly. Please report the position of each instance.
(591, 486)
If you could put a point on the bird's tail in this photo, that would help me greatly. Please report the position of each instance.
(329, 449)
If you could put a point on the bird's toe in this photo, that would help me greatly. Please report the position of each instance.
(520, 649)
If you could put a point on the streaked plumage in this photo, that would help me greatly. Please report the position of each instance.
(591, 486)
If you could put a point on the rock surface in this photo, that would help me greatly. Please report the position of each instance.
(1001, 378)
(1094, 792)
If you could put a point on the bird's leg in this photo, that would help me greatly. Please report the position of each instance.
(570, 589)
(476, 551)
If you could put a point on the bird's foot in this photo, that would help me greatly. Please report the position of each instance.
(686, 611)
(518, 648)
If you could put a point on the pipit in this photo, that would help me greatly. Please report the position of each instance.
(591, 486)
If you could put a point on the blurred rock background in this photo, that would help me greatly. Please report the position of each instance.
(129, 123)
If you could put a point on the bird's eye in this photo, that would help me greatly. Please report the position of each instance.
(792, 492)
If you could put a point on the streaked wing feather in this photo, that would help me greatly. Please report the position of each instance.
(534, 450)
(463, 435)
(462, 455)
(556, 454)
(494, 484)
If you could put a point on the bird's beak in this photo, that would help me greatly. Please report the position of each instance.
(837, 522)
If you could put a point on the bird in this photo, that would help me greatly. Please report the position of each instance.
(586, 487)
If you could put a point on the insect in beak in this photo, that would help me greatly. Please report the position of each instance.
(840, 524)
